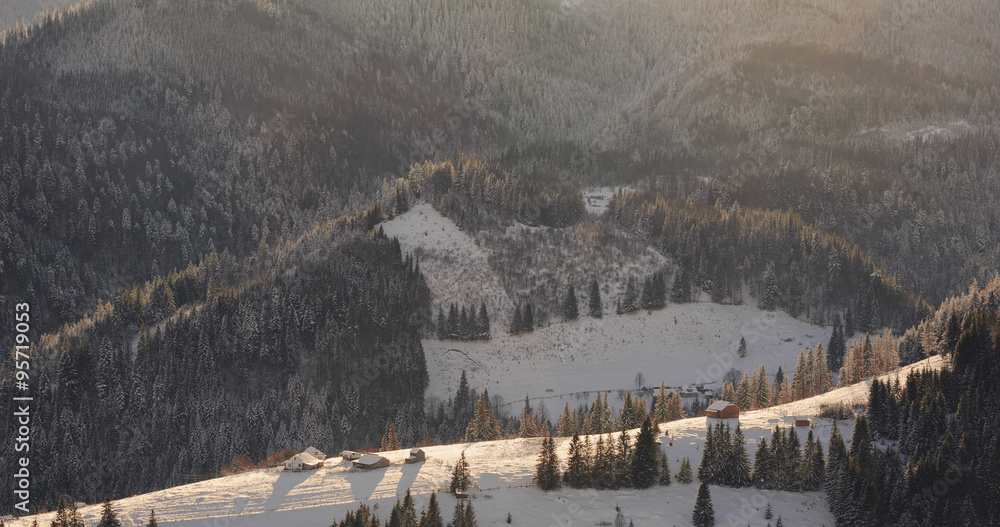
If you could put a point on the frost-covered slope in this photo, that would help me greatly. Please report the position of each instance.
(264, 498)
(681, 345)
(456, 269)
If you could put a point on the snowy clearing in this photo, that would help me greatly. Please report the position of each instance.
(595, 199)
(456, 269)
(680, 345)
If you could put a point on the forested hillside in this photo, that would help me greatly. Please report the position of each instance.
(941, 428)
(190, 194)
(166, 129)
(781, 260)
(310, 343)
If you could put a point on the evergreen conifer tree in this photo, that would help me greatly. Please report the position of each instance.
(623, 454)
(484, 323)
(517, 322)
(836, 347)
(744, 393)
(571, 310)
(769, 289)
(408, 512)
(630, 304)
(547, 469)
(762, 465)
(576, 465)
(742, 351)
(431, 516)
(596, 310)
(644, 460)
(109, 518)
(484, 426)
(762, 388)
(460, 477)
(706, 470)
(703, 514)
(664, 469)
(740, 460)
(685, 475)
(529, 318)
(152, 518)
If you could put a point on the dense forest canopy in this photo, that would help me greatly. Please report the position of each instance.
(225, 124)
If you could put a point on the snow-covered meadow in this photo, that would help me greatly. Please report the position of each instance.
(502, 470)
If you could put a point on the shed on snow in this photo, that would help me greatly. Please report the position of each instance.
(315, 452)
(416, 455)
(723, 410)
(802, 421)
(302, 461)
(371, 461)
(350, 455)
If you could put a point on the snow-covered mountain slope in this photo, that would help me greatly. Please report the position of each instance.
(456, 269)
(681, 345)
(502, 469)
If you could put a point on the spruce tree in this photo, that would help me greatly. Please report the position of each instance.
(664, 469)
(769, 289)
(661, 406)
(408, 512)
(547, 469)
(744, 393)
(460, 477)
(742, 351)
(517, 322)
(685, 475)
(601, 469)
(762, 465)
(676, 407)
(484, 323)
(484, 425)
(576, 464)
(431, 516)
(396, 515)
(623, 460)
(469, 516)
(740, 460)
(570, 309)
(678, 289)
(836, 347)
(152, 518)
(529, 318)
(442, 325)
(706, 470)
(768, 512)
(462, 398)
(646, 297)
(109, 518)
(778, 388)
(703, 515)
(630, 304)
(762, 389)
(596, 310)
(644, 461)
(459, 517)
